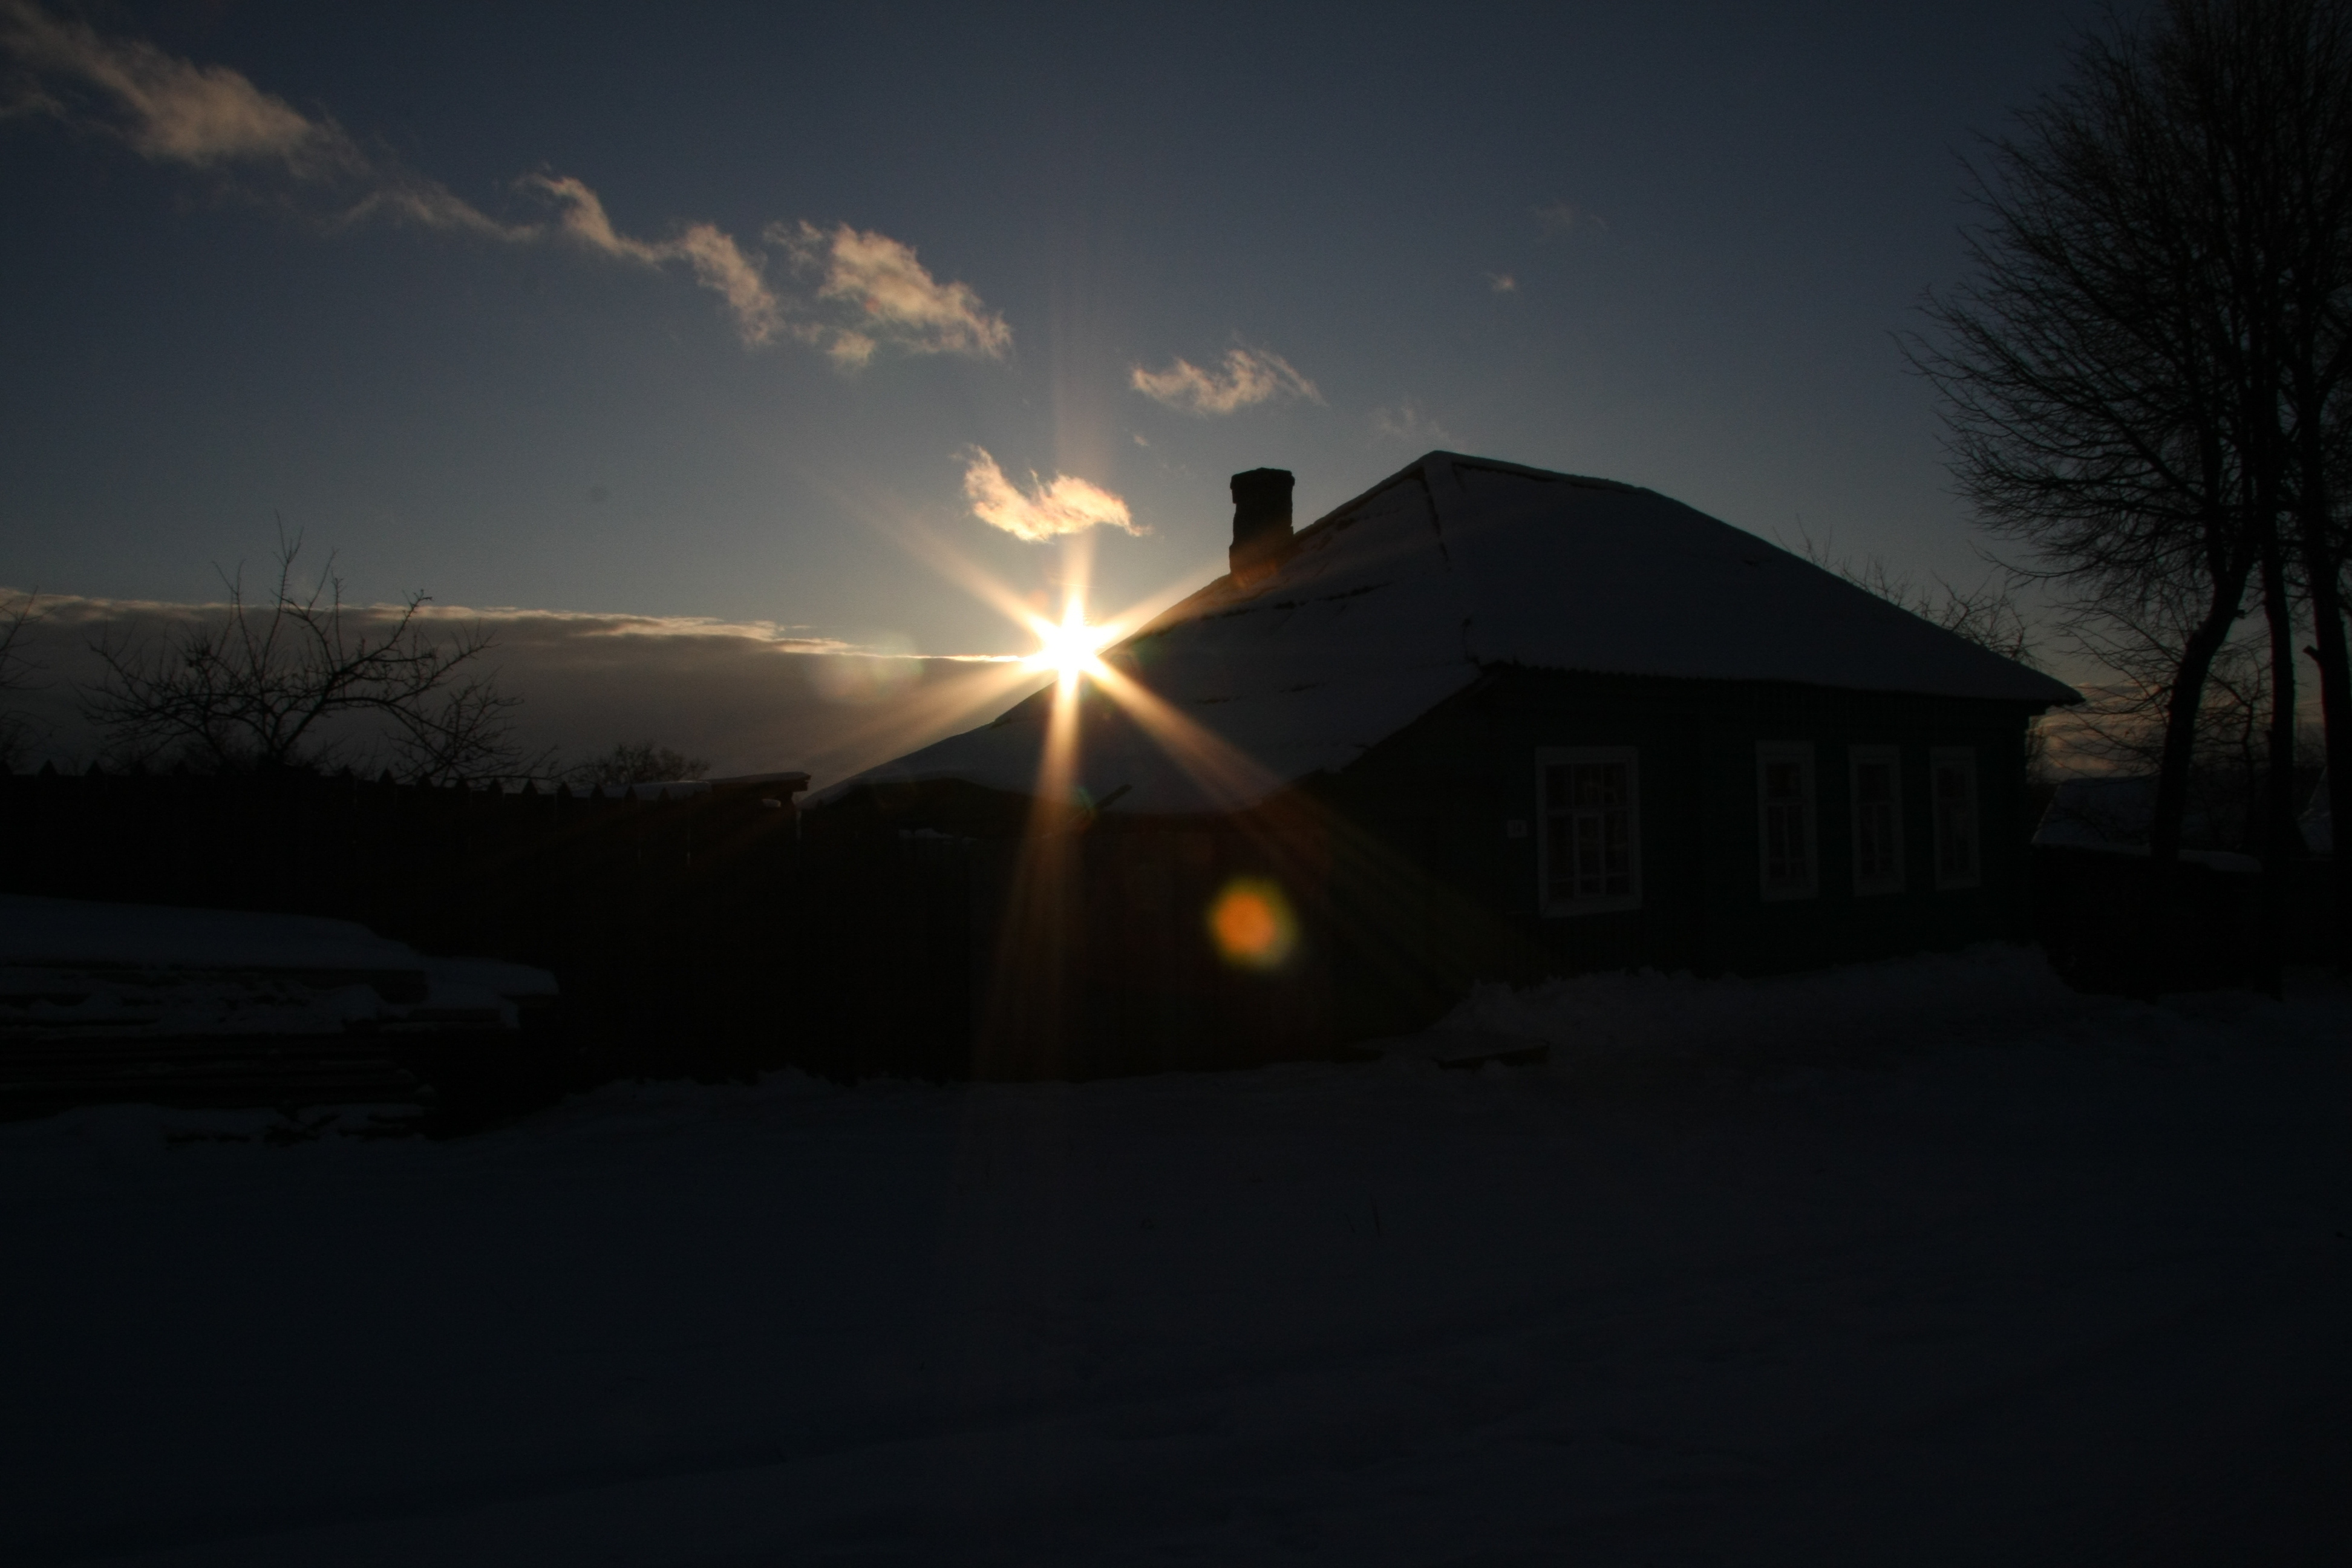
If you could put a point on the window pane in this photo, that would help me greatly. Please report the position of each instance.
(1786, 784)
(1588, 852)
(1600, 786)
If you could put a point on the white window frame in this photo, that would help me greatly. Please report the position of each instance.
(1856, 759)
(1939, 759)
(1769, 753)
(1550, 757)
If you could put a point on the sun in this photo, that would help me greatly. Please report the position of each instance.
(1068, 648)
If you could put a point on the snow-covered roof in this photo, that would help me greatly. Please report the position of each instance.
(1400, 597)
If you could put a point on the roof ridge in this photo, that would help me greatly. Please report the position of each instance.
(1420, 465)
(1526, 470)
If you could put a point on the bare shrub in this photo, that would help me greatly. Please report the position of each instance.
(304, 680)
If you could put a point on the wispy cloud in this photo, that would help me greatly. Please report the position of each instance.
(752, 696)
(891, 295)
(1408, 424)
(871, 290)
(1046, 510)
(717, 263)
(176, 111)
(1557, 217)
(168, 109)
(1249, 376)
(1502, 283)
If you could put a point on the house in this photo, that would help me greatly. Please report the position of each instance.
(1482, 721)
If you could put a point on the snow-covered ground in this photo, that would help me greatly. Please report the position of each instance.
(1929, 1262)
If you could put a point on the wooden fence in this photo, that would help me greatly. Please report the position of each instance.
(708, 935)
(2111, 922)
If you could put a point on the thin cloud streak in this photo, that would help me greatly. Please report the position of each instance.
(1249, 377)
(752, 696)
(871, 290)
(171, 110)
(1047, 511)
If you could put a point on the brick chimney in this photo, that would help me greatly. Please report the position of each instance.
(1261, 523)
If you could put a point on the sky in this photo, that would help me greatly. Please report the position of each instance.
(769, 330)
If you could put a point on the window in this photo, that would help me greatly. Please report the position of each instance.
(1784, 793)
(1877, 779)
(1589, 857)
(1952, 775)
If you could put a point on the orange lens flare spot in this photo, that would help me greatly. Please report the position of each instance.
(1252, 925)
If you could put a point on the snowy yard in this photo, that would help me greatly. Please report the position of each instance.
(2000, 1275)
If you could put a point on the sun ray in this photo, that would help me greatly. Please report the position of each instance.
(940, 707)
(1219, 767)
(1069, 648)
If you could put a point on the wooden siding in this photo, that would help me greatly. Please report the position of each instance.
(1439, 797)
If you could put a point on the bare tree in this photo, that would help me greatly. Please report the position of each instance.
(636, 763)
(308, 681)
(16, 731)
(2317, 398)
(2123, 726)
(1988, 615)
(2089, 420)
(2142, 379)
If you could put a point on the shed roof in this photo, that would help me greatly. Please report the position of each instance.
(1399, 598)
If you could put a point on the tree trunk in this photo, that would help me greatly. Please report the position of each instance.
(2181, 711)
(2328, 651)
(2282, 835)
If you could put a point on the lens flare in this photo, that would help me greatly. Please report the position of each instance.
(1069, 648)
(1252, 925)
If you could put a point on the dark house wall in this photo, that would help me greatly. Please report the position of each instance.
(1090, 953)
(1434, 806)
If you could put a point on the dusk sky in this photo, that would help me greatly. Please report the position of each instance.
(752, 314)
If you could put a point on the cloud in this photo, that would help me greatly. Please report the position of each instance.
(401, 195)
(1408, 424)
(871, 289)
(169, 109)
(1067, 505)
(1250, 376)
(752, 696)
(891, 295)
(1502, 283)
(1557, 218)
(717, 263)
